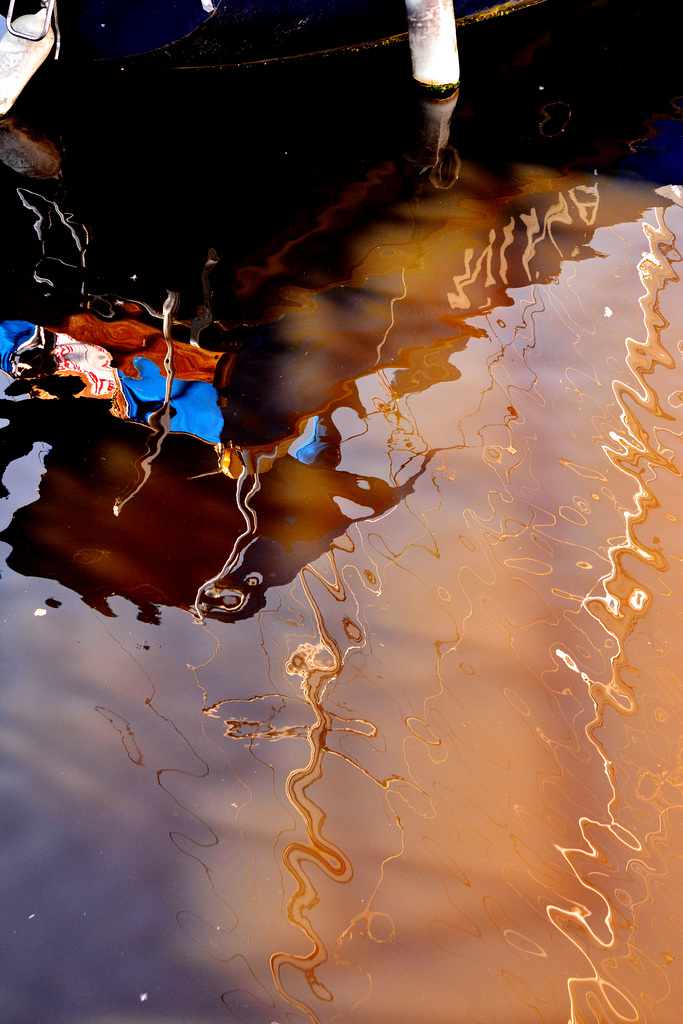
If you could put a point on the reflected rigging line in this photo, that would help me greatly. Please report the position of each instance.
(160, 419)
(316, 664)
(396, 298)
(41, 227)
(241, 544)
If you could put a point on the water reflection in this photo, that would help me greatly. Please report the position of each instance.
(489, 771)
(271, 403)
(369, 709)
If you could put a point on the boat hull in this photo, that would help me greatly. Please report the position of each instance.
(190, 32)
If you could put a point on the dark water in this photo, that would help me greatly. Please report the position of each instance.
(340, 671)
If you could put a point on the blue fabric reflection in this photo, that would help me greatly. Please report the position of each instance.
(194, 409)
(13, 333)
(194, 406)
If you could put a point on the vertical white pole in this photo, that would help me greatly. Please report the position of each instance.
(433, 46)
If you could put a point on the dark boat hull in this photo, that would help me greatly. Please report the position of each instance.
(188, 32)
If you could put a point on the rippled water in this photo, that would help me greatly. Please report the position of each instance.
(348, 688)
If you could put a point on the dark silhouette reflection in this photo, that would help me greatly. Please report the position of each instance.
(152, 516)
(156, 555)
(162, 548)
(303, 524)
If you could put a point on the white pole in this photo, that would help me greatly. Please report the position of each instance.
(433, 46)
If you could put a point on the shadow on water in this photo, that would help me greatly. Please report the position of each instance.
(341, 501)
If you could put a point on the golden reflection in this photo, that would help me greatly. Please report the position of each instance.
(440, 769)
(623, 613)
(593, 888)
(315, 665)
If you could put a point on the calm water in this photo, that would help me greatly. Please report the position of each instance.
(340, 671)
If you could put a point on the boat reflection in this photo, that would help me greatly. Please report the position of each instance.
(239, 467)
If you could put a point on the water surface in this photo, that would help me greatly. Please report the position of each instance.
(340, 673)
